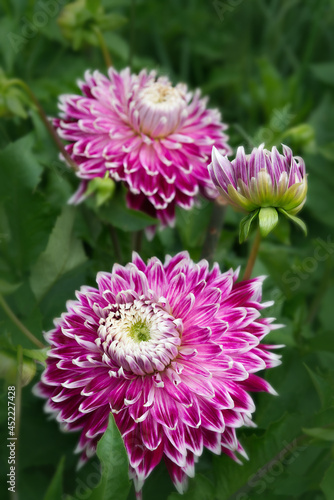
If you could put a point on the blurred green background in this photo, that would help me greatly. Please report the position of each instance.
(269, 67)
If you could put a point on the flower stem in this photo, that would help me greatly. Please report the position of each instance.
(115, 242)
(213, 232)
(132, 31)
(20, 325)
(137, 240)
(103, 46)
(46, 122)
(252, 256)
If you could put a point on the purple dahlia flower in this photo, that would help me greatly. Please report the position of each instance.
(154, 137)
(171, 350)
(264, 182)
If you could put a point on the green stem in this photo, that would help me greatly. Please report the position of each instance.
(213, 232)
(132, 31)
(115, 242)
(252, 256)
(103, 46)
(20, 325)
(321, 290)
(137, 240)
(46, 122)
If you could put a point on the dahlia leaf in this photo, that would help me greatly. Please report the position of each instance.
(9, 367)
(200, 488)
(55, 490)
(323, 388)
(324, 72)
(295, 219)
(245, 225)
(268, 219)
(324, 434)
(25, 216)
(111, 21)
(7, 288)
(93, 6)
(124, 218)
(103, 187)
(279, 440)
(36, 354)
(18, 162)
(63, 253)
(115, 484)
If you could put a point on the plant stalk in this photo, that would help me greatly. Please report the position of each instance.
(103, 46)
(213, 232)
(20, 325)
(115, 242)
(46, 122)
(252, 256)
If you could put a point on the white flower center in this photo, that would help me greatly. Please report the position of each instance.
(161, 109)
(140, 336)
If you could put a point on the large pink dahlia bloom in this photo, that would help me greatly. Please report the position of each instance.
(155, 137)
(172, 350)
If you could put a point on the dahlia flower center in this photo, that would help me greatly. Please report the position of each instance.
(161, 109)
(140, 336)
(140, 331)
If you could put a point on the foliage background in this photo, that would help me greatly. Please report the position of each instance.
(268, 66)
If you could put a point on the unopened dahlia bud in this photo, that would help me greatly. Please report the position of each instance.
(264, 183)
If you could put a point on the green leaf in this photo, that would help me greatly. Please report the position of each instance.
(245, 225)
(268, 219)
(37, 354)
(117, 214)
(55, 490)
(193, 224)
(111, 21)
(63, 253)
(15, 106)
(18, 163)
(8, 367)
(320, 433)
(200, 488)
(93, 5)
(324, 72)
(8, 288)
(115, 484)
(295, 219)
(25, 215)
(327, 151)
(104, 189)
(323, 341)
(326, 314)
(276, 445)
(323, 388)
(327, 483)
